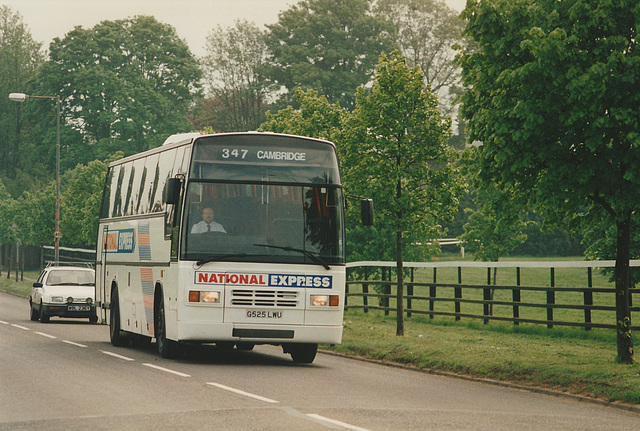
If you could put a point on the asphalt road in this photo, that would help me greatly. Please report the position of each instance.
(66, 375)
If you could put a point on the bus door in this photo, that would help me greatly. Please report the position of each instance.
(101, 278)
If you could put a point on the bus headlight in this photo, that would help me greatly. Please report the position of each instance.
(325, 300)
(204, 296)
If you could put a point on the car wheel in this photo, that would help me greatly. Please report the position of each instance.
(118, 337)
(34, 313)
(166, 348)
(43, 316)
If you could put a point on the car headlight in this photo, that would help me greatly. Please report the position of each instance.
(89, 300)
(198, 296)
(58, 299)
(325, 300)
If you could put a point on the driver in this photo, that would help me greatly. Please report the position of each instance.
(207, 224)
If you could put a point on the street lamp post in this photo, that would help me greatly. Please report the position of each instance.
(21, 97)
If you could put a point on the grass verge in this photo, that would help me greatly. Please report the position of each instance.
(567, 360)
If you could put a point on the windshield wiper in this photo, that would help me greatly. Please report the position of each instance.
(307, 253)
(219, 258)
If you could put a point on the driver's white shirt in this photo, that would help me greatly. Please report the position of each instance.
(201, 227)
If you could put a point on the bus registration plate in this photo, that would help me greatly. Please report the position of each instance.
(263, 314)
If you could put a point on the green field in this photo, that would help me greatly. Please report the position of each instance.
(505, 277)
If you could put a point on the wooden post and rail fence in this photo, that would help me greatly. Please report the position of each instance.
(565, 293)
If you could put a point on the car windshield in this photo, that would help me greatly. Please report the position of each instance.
(59, 277)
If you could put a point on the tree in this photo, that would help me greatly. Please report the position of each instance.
(331, 46)
(397, 154)
(553, 92)
(124, 85)
(80, 203)
(20, 56)
(232, 70)
(496, 227)
(316, 117)
(7, 215)
(426, 31)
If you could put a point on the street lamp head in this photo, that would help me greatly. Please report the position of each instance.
(18, 97)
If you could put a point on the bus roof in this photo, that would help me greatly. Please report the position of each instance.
(180, 139)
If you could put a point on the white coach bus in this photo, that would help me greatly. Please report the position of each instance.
(268, 269)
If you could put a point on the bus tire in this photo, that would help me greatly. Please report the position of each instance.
(302, 353)
(166, 348)
(245, 346)
(118, 337)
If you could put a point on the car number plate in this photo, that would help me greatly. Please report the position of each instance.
(263, 314)
(79, 308)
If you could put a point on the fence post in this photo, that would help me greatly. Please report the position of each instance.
(551, 299)
(486, 296)
(588, 299)
(432, 293)
(457, 294)
(516, 298)
(386, 289)
(410, 294)
(365, 290)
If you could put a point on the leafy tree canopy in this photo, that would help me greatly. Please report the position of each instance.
(553, 96)
(232, 71)
(426, 31)
(20, 56)
(331, 46)
(124, 85)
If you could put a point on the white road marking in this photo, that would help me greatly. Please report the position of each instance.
(46, 335)
(115, 355)
(73, 344)
(335, 422)
(177, 373)
(3, 322)
(20, 327)
(246, 394)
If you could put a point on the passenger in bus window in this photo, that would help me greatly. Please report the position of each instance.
(207, 224)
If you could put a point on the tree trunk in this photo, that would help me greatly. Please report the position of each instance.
(623, 315)
(400, 293)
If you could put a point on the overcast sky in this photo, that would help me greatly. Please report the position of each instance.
(192, 19)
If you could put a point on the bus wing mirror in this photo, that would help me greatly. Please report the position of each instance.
(366, 211)
(172, 195)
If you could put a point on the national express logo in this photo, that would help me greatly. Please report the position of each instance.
(120, 241)
(266, 280)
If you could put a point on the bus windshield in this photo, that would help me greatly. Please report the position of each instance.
(277, 201)
(263, 223)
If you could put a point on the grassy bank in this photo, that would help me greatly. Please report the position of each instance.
(568, 360)
(22, 288)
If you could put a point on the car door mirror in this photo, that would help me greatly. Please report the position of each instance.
(36, 284)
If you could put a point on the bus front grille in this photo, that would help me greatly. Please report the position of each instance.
(264, 298)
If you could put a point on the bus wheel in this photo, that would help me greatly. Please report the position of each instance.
(245, 346)
(118, 337)
(166, 348)
(301, 353)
